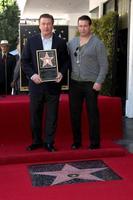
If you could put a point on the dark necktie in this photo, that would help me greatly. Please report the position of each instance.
(4, 58)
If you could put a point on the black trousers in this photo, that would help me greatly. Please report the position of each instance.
(37, 104)
(5, 89)
(80, 91)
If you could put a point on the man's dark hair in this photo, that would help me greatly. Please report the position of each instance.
(85, 17)
(46, 16)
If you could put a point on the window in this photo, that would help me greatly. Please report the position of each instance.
(95, 13)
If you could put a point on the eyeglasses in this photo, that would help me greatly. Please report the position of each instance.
(77, 55)
(76, 52)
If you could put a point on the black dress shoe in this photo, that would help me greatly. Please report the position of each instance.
(76, 146)
(94, 146)
(34, 147)
(49, 147)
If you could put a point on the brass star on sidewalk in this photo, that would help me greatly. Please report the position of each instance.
(69, 172)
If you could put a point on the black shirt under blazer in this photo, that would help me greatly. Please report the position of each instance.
(29, 62)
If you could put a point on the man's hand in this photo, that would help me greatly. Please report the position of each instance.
(36, 79)
(59, 77)
(97, 86)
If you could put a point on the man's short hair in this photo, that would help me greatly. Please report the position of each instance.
(46, 16)
(85, 17)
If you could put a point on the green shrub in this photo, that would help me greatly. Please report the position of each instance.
(9, 22)
(106, 29)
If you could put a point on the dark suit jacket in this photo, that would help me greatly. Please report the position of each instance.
(29, 62)
(6, 71)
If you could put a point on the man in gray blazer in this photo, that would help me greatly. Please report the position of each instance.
(89, 69)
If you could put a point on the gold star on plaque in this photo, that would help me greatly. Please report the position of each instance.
(47, 60)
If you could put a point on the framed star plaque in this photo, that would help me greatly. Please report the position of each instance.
(47, 64)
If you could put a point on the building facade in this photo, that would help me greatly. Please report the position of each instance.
(124, 69)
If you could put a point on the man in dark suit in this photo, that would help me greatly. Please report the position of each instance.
(44, 93)
(7, 65)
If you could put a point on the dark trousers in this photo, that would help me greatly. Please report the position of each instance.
(37, 104)
(5, 89)
(80, 91)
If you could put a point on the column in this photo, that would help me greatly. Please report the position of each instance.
(129, 101)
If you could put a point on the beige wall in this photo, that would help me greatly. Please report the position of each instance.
(72, 32)
(95, 3)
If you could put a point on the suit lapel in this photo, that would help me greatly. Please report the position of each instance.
(39, 44)
(54, 42)
(0, 57)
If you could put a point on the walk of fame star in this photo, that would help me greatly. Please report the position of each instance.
(69, 172)
(47, 60)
